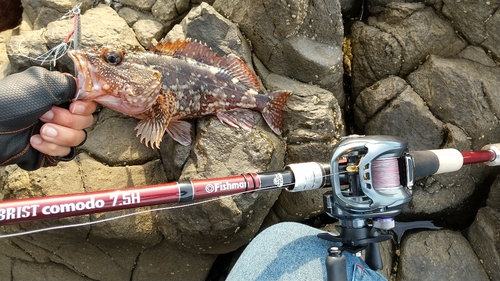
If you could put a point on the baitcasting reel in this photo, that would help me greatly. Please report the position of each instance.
(371, 178)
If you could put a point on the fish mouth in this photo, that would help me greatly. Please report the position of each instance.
(83, 74)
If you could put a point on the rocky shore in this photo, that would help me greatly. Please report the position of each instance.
(426, 71)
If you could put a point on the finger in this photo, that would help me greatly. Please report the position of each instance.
(64, 117)
(82, 107)
(61, 135)
(48, 148)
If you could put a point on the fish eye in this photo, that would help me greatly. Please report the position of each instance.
(112, 57)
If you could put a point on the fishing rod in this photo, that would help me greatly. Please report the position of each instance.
(294, 178)
(371, 179)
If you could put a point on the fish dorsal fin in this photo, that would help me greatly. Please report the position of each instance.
(203, 54)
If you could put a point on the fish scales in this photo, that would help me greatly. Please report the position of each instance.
(200, 90)
(175, 80)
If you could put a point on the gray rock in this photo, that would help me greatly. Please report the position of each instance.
(131, 16)
(144, 5)
(477, 21)
(438, 255)
(113, 141)
(392, 107)
(169, 12)
(463, 93)
(485, 240)
(296, 39)
(403, 113)
(22, 270)
(347, 5)
(312, 118)
(477, 54)
(397, 41)
(31, 9)
(494, 196)
(374, 98)
(40, 13)
(206, 25)
(148, 30)
(174, 156)
(114, 31)
(228, 223)
(312, 126)
(181, 266)
(23, 49)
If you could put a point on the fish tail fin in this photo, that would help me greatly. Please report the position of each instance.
(273, 109)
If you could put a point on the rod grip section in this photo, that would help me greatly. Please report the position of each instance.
(438, 161)
(495, 148)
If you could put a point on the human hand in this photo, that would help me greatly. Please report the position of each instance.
(63, 128)
(24, 98)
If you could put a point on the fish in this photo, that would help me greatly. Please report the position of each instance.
(174, 81)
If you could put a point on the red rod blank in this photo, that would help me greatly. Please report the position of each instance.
(479, 156)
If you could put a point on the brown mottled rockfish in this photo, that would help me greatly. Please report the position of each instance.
(175, 80)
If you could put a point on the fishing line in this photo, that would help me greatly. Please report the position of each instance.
(62, 48)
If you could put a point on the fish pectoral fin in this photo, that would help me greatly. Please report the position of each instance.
(153, 125)
(180, 131)
(237, 118)
(272, 112)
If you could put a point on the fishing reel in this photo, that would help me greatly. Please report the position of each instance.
(371, 179)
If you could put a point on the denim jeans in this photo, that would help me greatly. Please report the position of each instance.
(291, 251)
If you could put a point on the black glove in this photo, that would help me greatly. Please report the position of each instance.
(25, 97)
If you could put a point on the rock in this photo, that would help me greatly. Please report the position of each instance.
(206, 25)
(438, 255)
(476, 21)
(101, 26)
(494, 196)
(396, 41)
(22, 49)
(4, 61)
(131, 16)
(113, 142)
(182, 266)
(96, 31)
(467, 95)
(296, 39)
(313, 124)
(477, 54)
(143, 5)
(169, 12)
(467, 99)
(225, 224)
(40, 13)
(147, 30)
(83, 260)
(485, 240)
(312, 118)
(391, 107)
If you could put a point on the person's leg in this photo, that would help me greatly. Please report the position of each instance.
(291, 251)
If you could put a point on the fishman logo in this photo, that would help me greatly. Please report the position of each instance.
(222, 186)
